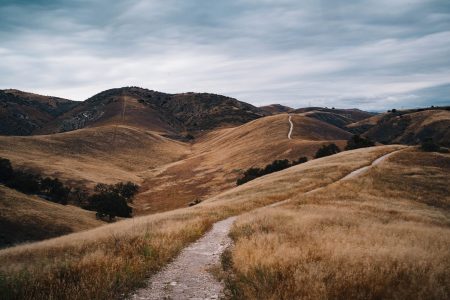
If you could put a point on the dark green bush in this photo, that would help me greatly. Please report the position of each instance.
(356, 142)
(327, 150)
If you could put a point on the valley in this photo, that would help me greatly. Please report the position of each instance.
(347, 224)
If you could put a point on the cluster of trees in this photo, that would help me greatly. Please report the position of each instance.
(30, 183)
(112, 200)
(327, 150)
(107, 200)
(275, 166)
(357, 142)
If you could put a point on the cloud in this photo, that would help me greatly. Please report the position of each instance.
(368, 54)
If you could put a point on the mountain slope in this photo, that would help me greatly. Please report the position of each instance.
(274, 109)
(23, 113)
(407, 127)
(151, 110)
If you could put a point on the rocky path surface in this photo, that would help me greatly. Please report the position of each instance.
(290, 129)
(187, 277)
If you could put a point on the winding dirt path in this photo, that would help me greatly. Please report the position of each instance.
(187, 277)
(292, 127)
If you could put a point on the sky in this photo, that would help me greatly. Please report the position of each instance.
(369, 54)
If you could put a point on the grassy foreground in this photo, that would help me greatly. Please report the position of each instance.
(385, 235)
(112, 260)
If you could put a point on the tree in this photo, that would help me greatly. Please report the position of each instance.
(55, 190)
(127, 190)
(327, 150)
(6, 170)
(356, 142)
(112, 199)
(110, 204)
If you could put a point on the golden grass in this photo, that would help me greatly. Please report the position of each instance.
(372, 237)
(93, 155)
(219, 157)
(28, 218)
(109, 261)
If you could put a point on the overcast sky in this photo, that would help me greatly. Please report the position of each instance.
(373, 54)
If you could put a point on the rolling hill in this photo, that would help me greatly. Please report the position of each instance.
(407, 127)
(321, 231)
(23, 113)
(25, 218)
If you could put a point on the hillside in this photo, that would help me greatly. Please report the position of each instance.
(407, 127)
(173, 114)
(274, 109)
(25, 218)
(105, 154)
(393, 197)
(23, 113)
(219, 157)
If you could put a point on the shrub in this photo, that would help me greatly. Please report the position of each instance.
(327, 150)
(356, 142)
(301, 160)
(429, 145)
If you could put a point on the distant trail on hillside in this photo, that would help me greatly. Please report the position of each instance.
(188, 276)
(290, 129)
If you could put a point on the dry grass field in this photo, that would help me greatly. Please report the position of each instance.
(110, 261)
(105, 154)
(29, 218)
(219, 157)
(384, 235)
(171, 173)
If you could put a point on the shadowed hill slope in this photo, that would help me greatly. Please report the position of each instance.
(407, 127)
(23, 113)
(29, 218)
(161, 112)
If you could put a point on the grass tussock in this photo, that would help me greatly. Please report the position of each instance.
(112, 260)
(385, 235)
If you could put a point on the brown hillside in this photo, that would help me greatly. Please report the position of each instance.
(23, 113)
(26, 218)
(102, 154)
(407, 127)
(219, 158)
(274, 109)
(166, 113)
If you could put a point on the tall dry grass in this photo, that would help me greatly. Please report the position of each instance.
(112, 260)
(385, 235)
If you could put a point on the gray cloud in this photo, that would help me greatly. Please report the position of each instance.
(369, 54)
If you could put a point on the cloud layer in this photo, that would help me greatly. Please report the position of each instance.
(344, 53)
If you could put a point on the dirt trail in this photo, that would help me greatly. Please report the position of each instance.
(187, 277)
(290, 129)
